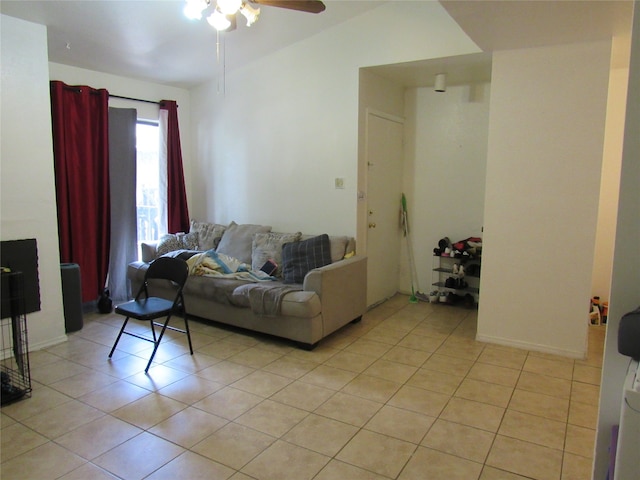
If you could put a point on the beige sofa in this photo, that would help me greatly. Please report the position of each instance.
(326, 299)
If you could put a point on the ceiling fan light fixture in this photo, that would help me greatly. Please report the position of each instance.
(224, 16)
(229, 7)
(218, 20)
(194, 8)
(250, 13)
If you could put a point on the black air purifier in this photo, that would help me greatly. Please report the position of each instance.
(629, 334)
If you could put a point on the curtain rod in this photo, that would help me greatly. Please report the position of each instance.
(134, 99)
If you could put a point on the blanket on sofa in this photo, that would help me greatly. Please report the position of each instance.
(260, 292)
(214, 264)
(263, 299)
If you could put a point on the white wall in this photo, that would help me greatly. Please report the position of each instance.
(28, 203)
(270, 148)
(611, 165)
(445, 178)
(545, 151)
(27, 195)
(129, 87)
(626, 261)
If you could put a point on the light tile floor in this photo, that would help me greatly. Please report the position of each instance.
(405, 394)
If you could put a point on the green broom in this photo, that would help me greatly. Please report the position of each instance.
(415, 291)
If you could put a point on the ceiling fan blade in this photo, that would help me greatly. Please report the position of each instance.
(310, 6)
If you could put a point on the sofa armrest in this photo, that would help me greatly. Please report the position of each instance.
(342, 288)
(149, 250)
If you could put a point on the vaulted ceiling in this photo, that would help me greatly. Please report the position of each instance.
(152, 40)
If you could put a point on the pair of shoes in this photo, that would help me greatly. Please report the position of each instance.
(452, 298)
(445, 243)
(458, 269)
(422, 297)
(457, 283)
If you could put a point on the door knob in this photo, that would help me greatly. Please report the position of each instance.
(372, 225)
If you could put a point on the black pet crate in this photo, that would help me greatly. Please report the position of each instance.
(15, 373)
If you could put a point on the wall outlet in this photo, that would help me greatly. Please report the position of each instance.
(339, 182)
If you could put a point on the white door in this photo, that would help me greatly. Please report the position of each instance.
(384, 192)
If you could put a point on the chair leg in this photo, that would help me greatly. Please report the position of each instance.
(126, 320)
(156, 343)
(153, 331)
(186, 327)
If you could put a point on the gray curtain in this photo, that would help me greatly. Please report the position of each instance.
(122, 178)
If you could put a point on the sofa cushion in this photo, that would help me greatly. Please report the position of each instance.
(300, 257)
(209, 234)
(237, 240)
(338, 247)
(299, 303)
(268, 246)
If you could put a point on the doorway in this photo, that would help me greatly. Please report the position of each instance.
(384, 158)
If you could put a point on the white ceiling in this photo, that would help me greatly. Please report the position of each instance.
(500, 25)
(509, 24)
(153, 41)
(460, 70)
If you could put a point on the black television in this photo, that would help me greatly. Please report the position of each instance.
(19, 256)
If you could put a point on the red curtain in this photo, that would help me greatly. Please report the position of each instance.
(80, 124)
(177, 210)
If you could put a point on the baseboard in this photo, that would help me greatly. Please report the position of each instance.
(531, 346)
(49, 343)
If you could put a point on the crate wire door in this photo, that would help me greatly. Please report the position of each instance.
(15, 373)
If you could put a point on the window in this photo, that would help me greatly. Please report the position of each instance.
(148, 181)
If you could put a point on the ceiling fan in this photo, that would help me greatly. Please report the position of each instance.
(223, 17)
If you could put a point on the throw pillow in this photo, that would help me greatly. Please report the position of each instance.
(168, 243)
(338, 246)
(189, 240)
(268, 246)
(237, 240)
(149, 251)
(300, 257)
(209, 234)
(176, 241)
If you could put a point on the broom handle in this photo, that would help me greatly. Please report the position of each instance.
(412, 266)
